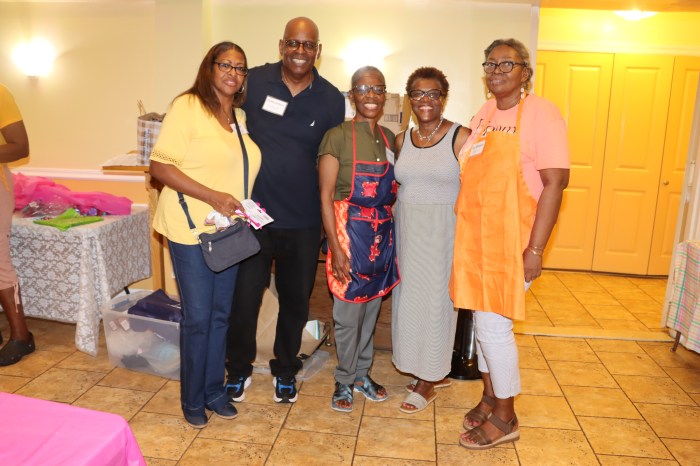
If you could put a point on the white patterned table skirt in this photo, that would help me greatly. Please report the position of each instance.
(68, 276)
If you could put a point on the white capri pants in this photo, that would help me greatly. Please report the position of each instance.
(497, 352)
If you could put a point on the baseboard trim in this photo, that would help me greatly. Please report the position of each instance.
(586, 332)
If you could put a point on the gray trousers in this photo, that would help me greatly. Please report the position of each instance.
(354, 338)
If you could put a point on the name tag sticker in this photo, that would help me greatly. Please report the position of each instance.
(477, 148)
(349, 111)
(390, 156)
(274, 105)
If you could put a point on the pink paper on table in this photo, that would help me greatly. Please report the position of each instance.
(44, 433)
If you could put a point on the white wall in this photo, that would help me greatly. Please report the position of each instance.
(112, 53)
(688, 227)
(450, 36)
(84, 112)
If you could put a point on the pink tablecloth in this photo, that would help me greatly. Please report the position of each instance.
(43, 433)
(684, 308)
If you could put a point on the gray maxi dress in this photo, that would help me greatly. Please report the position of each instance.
(423, 317)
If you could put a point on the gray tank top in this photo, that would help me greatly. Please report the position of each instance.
(428, 175)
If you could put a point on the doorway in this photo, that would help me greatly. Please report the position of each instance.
(629, 118)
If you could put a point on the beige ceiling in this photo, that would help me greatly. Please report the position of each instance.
(644, 5)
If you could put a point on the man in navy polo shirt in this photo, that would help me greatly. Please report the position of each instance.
(289, 108)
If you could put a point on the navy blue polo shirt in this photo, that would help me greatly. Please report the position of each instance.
(287, 184)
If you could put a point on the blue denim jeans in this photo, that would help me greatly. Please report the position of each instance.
(206, 299)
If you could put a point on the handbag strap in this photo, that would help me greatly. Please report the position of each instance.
(181, 198)
(183, 203)
(245, 155)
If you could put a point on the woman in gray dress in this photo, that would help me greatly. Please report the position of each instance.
(423, 317)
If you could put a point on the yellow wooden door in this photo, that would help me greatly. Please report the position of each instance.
(579, 84)
(633, 153)
(686, 71)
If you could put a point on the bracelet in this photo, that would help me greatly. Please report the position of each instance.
(534, 251)
(536, 248)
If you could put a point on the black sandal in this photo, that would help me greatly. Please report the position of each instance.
(15, 350)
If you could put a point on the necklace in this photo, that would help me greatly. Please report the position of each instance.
(227, 115)
(288, 84)
(430, 136)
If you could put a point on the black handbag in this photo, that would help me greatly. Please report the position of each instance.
(225, 248)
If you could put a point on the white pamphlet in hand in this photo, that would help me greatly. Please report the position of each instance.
(257, 217)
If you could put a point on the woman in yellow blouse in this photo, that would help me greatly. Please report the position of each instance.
(14, 145)
(200, 153)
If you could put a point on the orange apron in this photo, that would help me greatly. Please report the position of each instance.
(495, 213)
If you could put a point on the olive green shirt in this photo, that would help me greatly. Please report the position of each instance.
(370, 148)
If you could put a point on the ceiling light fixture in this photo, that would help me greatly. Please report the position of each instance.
(635, 15)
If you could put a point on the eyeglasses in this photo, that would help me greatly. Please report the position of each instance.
(417, 94)
(503, 67)
(363, 89)
(227, 68)
(293, 44)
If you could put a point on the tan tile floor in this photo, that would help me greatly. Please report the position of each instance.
(613, 395)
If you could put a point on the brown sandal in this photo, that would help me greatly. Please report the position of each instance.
(475, 414)
(510, 429)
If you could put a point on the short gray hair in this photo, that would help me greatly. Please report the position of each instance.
(519, 48)
(365, 69)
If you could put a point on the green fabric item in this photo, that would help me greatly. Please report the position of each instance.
(67, 219)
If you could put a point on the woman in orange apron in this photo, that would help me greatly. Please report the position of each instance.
(356, 179)
(514, 168)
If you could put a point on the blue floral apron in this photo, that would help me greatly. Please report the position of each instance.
(364, 223)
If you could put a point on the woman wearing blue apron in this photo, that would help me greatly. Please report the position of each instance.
(356, 179)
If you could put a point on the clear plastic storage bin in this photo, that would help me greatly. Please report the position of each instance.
(141, 343)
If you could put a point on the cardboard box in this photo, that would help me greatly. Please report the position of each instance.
(312, 337)
(141, 343)
(391, 118)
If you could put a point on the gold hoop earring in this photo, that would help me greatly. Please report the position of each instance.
(488, 95)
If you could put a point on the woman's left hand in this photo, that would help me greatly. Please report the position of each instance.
(532, 264)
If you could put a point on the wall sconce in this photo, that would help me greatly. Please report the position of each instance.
(364, 52)
(635, 15)
(34, 58)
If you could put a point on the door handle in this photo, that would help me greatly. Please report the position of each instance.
(665, 182)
